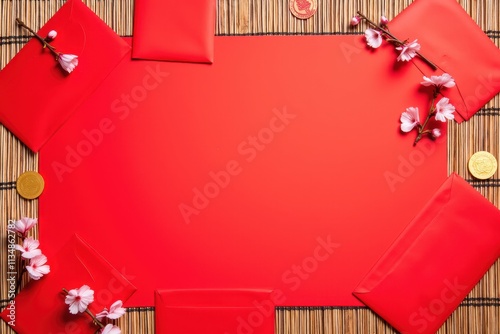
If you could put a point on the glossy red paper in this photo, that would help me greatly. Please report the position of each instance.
(215, 311)
(453, 41)
(174, 30)
(40, 308)
(436, 261)
(36, 95)
(281, 166)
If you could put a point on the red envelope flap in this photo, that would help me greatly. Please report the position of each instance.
(36, 95)
(40, 307)
(174, 30)
(213, 297)
(436, 261)
(453, 41)
(215, 311)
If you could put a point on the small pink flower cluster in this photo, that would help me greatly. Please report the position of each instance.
(37, 266)
(378, 32)
(79, 300)
(443, 110)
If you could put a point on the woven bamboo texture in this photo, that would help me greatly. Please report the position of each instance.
(478, 313)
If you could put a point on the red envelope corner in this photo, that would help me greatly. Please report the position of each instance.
(40, 308)
(455, 43)
(174, 30)
(228, 311)
(436, 261)
(36, 95)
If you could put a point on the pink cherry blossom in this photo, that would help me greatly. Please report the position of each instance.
(111, 329)
(408, 51)
(115, 311)
(444, 80)
(37, 267)
(355, 20)
(436, 133)
(384, 20)
(373, 38)
(24, 225)
(29, 249)
(409, 119)
(67, 61)
(79, 299)
(444, 110)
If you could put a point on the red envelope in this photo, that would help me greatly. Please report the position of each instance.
(453, 41)
(436, 261)
(247, 173)
(174, 30)
(40, 307)
(215, 311)
(36, 95)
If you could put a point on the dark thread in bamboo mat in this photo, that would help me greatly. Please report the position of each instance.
(21, 39)
(488, 112)
(484, 183)
(7, 185)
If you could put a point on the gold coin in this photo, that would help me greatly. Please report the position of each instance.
(30, 185)
(482, 165)
(303, 9)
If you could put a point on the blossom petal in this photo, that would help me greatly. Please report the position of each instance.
(73, 308)
(116, 310)
(111, 329)
(427, 82)
(37, 268)
(101, 315)
(444, 80)
(31, 254)
(24, 225)
(444, 110)
(373, 38)
(408, 51)
(409, 119)
(68, 62)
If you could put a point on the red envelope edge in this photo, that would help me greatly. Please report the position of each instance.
(436, 261)
(40, 307)
(454, 42)
(227, 311)
(36, 95)
(174, 30)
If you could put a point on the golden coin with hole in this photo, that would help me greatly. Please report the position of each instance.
(30, 185)
(303, 9)
(482, 165)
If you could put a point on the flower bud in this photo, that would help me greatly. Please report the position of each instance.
(384, 20)
(436, 133)
(355, 20)
(51, 36)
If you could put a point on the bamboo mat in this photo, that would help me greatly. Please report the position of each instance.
(480, 311)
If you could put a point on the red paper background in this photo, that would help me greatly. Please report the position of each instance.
(322, 177)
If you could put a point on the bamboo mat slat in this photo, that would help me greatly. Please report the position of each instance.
(479, 313)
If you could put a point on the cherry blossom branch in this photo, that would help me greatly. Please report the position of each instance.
(19, 280)
(42, 40)
(67, 61)
(396, 40)
(421, 128)
(94, 319)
